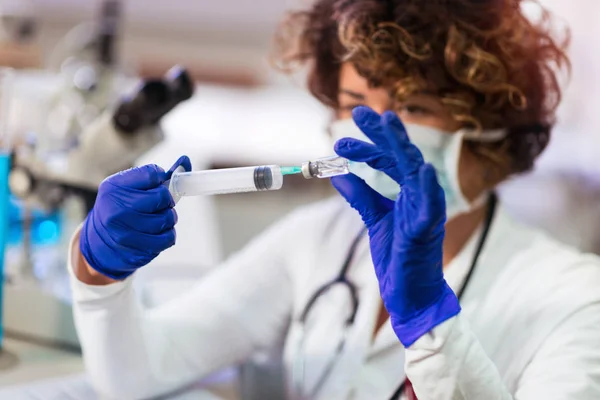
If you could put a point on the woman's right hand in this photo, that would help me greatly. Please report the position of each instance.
(132, 222)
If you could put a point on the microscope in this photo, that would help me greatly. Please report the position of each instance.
(89, 133)
(111, 143)
(92, 76)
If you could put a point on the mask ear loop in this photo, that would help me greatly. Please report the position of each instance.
(488, 136)
(452, 155)
(333, 118)
(328, 130)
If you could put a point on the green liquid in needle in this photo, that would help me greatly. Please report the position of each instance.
(291, 170)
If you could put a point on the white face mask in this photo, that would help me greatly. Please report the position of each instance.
(439, 148)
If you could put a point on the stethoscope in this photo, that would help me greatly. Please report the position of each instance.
(341, 279)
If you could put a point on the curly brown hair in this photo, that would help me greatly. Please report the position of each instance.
(491, 65)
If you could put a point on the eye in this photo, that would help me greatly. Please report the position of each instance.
(414, 110)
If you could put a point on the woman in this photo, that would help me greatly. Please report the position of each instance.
(473, 85)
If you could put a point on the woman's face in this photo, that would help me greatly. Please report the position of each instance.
(420, 109)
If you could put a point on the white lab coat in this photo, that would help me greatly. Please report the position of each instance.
(529, 329)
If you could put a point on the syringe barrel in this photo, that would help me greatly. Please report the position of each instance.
(224, 181)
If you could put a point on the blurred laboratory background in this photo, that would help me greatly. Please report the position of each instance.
(80, 67)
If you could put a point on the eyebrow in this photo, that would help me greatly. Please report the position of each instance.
(357, 96)
(426, 93)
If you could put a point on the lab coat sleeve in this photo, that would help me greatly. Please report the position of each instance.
(449, 363)
(242, 307)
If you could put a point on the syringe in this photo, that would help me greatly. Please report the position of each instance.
(250, 179)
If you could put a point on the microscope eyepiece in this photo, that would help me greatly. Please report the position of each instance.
(152, 100)
(181, 83)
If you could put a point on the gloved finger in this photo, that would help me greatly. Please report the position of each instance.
(431, 202)
(434, 198)
(369, 122)
(128, 260)
(183, 162)
(140, 178)
(359, 151)
(148, 201)
(371, 205)
(145, 242)
(119, 257)
(407, 154)
(148, 223)
(389, 134)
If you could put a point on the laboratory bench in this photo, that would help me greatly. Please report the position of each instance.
(23, 362)
(40, 373)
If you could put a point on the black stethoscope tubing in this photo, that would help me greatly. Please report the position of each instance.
(489, 218)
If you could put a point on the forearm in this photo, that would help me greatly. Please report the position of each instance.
(134, 353)
(449, 363)
(122, 353)
(82, 269)
(115, 348)
(131, 352)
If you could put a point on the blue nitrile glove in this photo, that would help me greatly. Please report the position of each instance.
(132, 222)
(406, 236)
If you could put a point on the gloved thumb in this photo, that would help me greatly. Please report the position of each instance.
(183, 162)
(371, 205)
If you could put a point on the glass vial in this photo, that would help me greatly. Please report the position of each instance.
(325, 167)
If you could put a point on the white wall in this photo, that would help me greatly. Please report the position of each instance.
(563, 194)
(226, 33)
(576, 142)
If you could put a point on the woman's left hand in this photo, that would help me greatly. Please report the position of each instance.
(406, 236)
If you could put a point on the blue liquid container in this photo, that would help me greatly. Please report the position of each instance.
(4, 222)
(45, 228)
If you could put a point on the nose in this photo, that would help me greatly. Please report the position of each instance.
(379, 108)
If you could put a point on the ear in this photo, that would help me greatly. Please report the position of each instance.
(482, 167)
